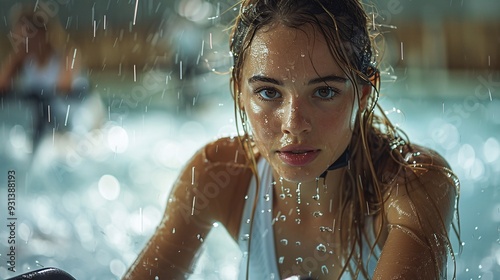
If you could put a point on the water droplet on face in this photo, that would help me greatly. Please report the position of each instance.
(321, 248)
(297, 243)
(281, 259)
(282, 218)
(298, 260)
(324, 270)
(282, 196)
(317, 214)
(315, 197)
(323, 229)
(298, 221)
(284, 242)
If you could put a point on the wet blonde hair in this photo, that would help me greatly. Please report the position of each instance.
(377, 146)
(34, 16)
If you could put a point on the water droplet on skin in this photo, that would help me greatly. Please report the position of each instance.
(321, 248)
(297, 243)
(324, 270)
(298, 221)
(323, 229)
(298, 260)
(157, 278)
(173, 230)
(284, 241)
(317, 214)
(281, 259)
(283, 218)
(282, 196)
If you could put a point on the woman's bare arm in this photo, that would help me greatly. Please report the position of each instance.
(206, 191)
(8, 71)
(419, 214)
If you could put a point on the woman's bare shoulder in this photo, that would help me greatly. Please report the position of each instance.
(226, 150)
(424, 182)
(218, 176)
(417, 164)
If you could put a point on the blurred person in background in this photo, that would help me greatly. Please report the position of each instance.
(44, 68)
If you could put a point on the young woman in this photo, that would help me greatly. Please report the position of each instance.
(316, 185)
(42, 67)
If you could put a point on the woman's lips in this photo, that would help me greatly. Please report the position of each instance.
(298, 156)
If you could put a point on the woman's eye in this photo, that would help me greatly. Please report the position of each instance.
(268, 94)
(326, 93)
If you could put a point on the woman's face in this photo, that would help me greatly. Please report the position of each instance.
(300, 105)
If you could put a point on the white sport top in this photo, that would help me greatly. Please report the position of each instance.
(263, 261)
(36, 78)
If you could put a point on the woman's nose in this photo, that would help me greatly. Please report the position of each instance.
(296, 119)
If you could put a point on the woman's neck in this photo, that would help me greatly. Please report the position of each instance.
(322, 193)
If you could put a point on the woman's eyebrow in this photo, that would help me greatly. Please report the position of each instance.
(330, 78)
(260, 78)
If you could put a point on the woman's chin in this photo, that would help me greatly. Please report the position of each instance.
(297, 175)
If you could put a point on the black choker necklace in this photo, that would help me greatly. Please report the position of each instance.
(342, 161)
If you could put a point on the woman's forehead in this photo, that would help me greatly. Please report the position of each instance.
(281, 47)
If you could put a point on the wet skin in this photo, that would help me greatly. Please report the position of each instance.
(301, 108)
(300, 104)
